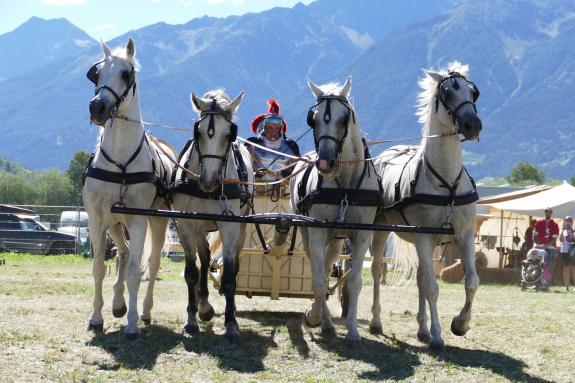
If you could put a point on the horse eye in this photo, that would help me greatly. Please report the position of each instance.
(125, 75)
(444, 92)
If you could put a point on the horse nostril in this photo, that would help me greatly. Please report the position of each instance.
(331, 164)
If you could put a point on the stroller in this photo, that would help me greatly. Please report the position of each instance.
(532, 269)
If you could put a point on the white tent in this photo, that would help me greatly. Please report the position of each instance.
(560, 198)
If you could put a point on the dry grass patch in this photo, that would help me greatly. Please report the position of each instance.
(45, 303)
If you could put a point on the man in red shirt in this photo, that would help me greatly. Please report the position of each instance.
(545, 234)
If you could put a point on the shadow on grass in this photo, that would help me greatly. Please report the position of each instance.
(291, 320)
(390, 362)
(497, 362)
(139, 353)
(155, 340)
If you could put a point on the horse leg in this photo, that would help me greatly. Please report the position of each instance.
(98, 238)
(158, 228)
(360, 241)
(378, 246)
(425, 245)
(317, 248)
(187, 239)
(206, 311)
(423, 332)
(137, 227)
(333, 251)
(119, 308)
(460, 323)
(229, 234)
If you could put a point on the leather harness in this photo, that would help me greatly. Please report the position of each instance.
(125, 178)
(399, 203)
(335, 196)
(192, 188)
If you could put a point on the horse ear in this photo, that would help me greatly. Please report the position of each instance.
(317, 92)
(130, 48)
(344, 92)
(197, 103)
(434, 75)
(105, 49)
(236, 103)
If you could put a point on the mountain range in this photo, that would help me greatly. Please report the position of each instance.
(519, 52)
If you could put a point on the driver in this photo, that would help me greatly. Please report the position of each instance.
(270, 129)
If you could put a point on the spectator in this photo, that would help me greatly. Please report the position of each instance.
(545, 234)
(528, 244)
(567, 239)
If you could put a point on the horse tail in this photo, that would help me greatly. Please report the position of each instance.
(146, 254)
(403, 264)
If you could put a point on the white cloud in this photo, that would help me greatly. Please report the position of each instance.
(64, 3)
(154, 1)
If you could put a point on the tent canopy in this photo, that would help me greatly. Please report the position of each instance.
(560, 198)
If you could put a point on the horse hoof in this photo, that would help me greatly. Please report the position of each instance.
(437, 345)
(132, 336)
(424, 337)
(147, 321)
(232, 337)
(353, 340)
(458, 328)
(328, 332)
(118, 313)
(192, 329)
(97, 328)
(208, 315)
(307, 322)
(376, 329)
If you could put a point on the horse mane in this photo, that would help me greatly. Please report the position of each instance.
(121, 53)
(223, 102)
(331, 89)
(425, 99)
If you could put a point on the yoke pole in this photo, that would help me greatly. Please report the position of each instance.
(280, 219)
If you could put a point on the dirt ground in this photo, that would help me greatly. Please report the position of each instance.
(45, 303)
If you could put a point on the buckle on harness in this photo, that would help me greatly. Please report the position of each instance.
(342, 209)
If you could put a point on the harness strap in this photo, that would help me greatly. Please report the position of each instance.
(132, 158)
(400, 203)
(334, 196)
(119, 178)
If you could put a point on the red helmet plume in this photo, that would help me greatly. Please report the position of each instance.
(273, 113)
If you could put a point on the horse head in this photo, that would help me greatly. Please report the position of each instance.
(457, 96)
(213, 134)
(115, 79)
(330, 118)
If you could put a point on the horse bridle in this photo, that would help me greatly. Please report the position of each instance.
(211, 113)
(441, 94)
(93, 76)
(327, 118)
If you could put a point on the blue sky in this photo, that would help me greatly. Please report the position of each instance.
(107, 19)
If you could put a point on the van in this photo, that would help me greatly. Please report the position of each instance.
(75, 222)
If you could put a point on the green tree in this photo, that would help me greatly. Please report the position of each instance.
(525, 173)
(572, 180)
(17, 189)
(53, 188)
(74, 174)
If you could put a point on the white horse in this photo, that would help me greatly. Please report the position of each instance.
(126, 167)
(212, 158)
(338, 141)
(428, 186)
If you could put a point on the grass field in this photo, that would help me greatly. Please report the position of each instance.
(45, 303)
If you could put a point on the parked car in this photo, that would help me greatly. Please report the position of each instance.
(25, 234)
